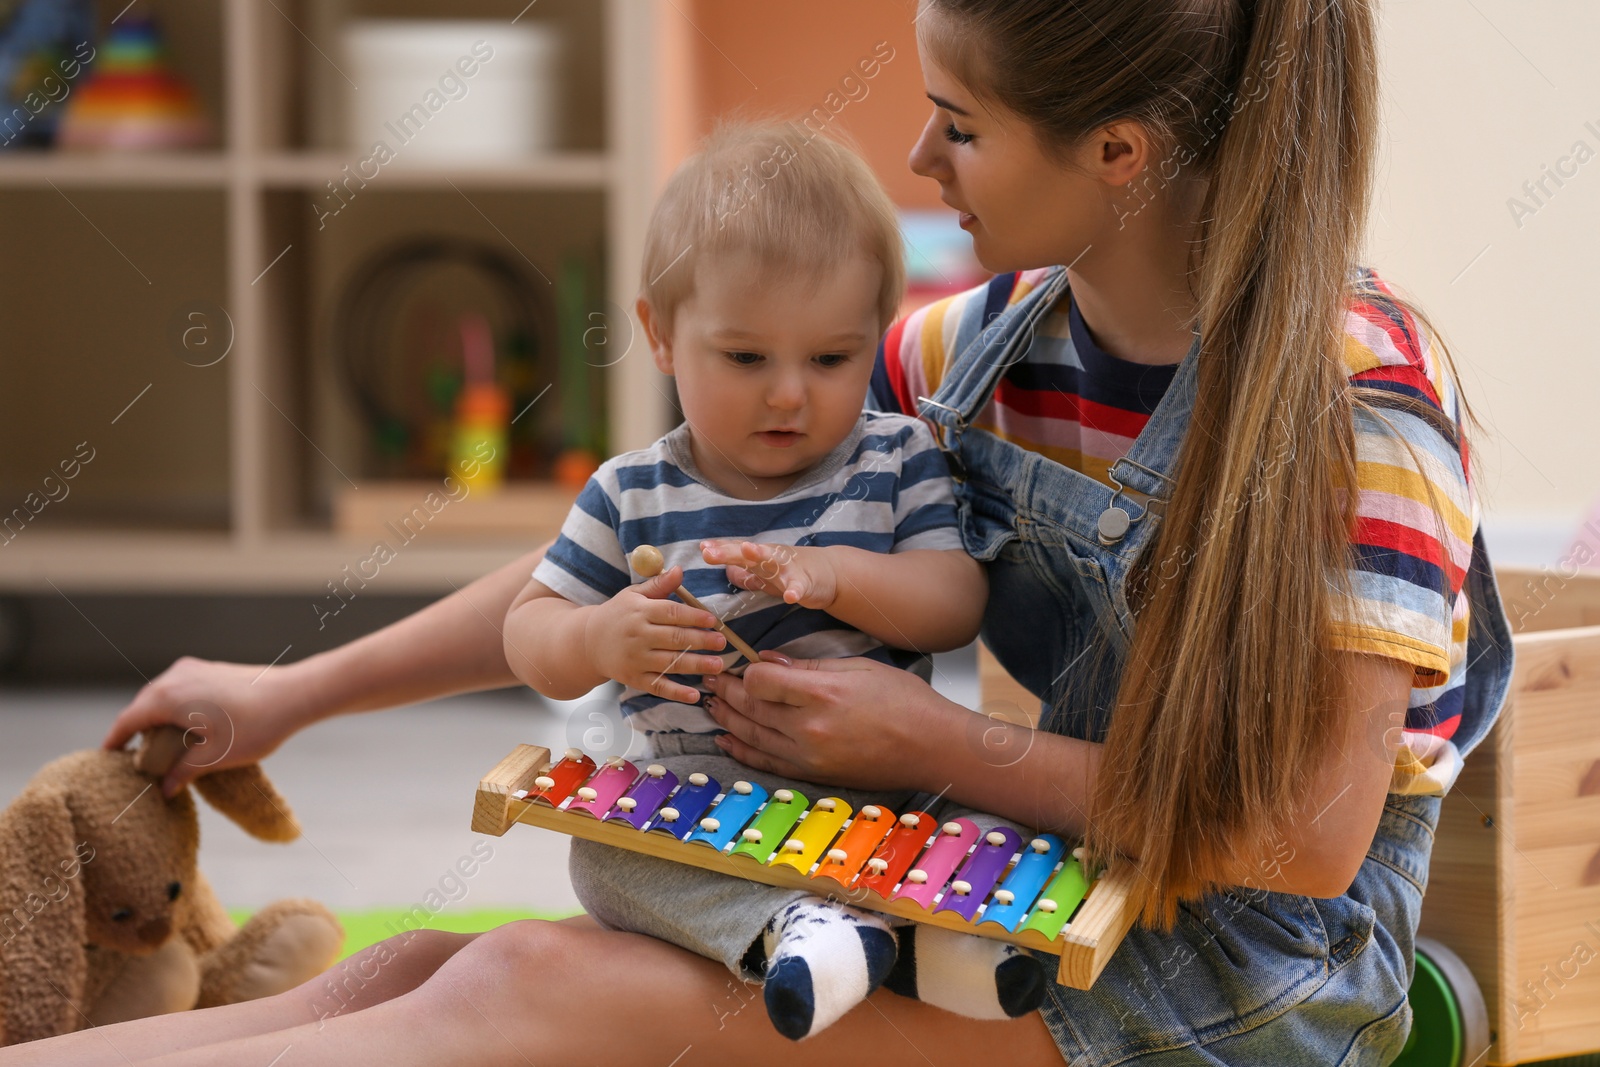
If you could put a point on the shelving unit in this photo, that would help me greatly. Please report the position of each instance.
(220, 478)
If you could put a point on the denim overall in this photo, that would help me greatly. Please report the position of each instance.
(1247, 977)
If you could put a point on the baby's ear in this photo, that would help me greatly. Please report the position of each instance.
(245, 795)
(654, 334)
(42, 918)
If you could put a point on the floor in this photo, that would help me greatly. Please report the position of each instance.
(385, 798)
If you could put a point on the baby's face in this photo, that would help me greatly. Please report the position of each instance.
(772, 369)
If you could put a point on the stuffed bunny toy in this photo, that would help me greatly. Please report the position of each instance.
(104, 915)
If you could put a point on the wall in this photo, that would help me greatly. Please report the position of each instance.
(1479, 99)
(784, 59)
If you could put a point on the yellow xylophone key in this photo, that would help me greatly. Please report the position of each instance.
(814, 834)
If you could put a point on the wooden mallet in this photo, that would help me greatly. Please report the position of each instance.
(646, 560)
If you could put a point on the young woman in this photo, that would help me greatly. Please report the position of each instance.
(1209, 420)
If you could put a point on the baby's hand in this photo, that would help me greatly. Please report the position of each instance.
(802, 575)
(638, 637)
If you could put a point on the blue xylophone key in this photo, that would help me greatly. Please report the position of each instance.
(645, 798)
(724, 821)
(1026, 881)
(681, 813)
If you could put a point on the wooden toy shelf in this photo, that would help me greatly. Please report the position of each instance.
(221, 478)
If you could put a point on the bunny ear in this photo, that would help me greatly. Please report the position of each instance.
(245, 795)
(42, 921)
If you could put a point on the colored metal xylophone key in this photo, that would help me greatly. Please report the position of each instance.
(954, 867)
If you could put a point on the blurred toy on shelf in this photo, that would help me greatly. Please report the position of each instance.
(453, 354)
(134, 101)
(464, 366)
(483, 411)
(45, 50)
(574, 466)
(583, 418)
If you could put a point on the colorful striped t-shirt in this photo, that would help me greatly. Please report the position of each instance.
(1069, 400)
(1417, 514)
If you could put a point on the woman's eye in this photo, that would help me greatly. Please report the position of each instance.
(956, 136)
(745, 359)
(832, 359)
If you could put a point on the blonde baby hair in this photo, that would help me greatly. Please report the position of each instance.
(799, 200)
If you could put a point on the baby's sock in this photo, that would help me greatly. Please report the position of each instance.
(821, 958)
(978, 977)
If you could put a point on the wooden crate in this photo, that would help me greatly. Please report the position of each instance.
(1514, 887)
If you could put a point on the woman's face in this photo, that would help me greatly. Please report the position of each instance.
(1023, 208)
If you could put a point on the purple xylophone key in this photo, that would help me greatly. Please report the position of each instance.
(971, 884)
(644, 799)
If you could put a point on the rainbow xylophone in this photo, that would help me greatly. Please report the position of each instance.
(1035, 893)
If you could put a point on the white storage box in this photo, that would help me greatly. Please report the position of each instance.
(446, 90)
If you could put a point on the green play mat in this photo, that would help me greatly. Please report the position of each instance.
(371, 925)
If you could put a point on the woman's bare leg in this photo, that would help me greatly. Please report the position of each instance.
(376, 974)
(535, 992)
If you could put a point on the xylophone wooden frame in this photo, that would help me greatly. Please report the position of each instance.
(1085, 944)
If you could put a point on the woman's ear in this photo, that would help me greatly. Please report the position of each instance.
(43, 918)
(660, 343)
(1119, 153)
(245, 795)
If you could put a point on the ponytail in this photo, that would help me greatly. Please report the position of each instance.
(1231, 695)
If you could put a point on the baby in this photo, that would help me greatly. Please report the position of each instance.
(772, 266)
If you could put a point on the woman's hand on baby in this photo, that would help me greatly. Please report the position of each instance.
(639, 636)
(801, 575)
(854, 722)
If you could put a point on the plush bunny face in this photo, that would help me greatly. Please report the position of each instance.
(96, 866)
(128, 849)
(145, 852)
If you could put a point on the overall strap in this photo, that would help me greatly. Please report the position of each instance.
(986, 344)
(1150, 465)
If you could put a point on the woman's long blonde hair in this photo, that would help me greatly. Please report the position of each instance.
(1231, 693)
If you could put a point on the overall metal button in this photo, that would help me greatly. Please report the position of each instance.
(1113, 524)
